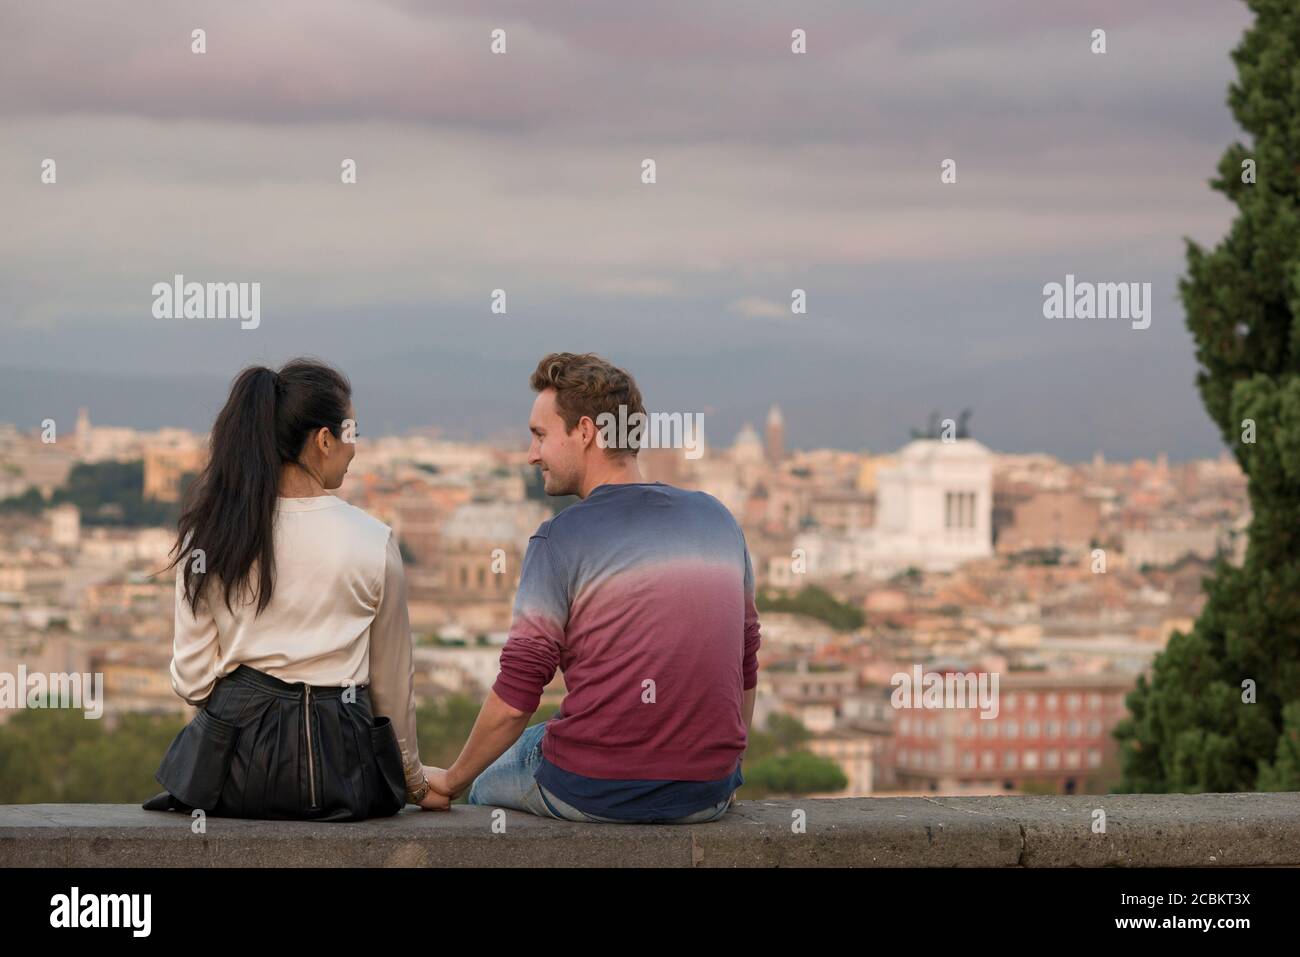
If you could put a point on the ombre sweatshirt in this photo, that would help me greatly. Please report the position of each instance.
(642, 594)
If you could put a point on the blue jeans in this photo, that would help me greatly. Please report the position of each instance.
(508, 782)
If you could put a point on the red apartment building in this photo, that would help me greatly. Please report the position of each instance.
(1051, 733)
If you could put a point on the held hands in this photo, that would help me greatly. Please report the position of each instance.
(439, 781)
(434, 800)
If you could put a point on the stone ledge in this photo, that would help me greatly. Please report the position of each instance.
(1167, 830)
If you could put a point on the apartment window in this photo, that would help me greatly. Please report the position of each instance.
(1073, 702)
(968, 761)
(1031, 701)
(987, 761)
(1094, 728)
(902, 726)
(932, 729)
(1050, 702)
(1031, 729)
(1094, 758)
(1010, 729)
(1031, 760)
(1072, 759)
(1072, 728)
(1011, 701)
(968, 729)
(990, 728)
(1053, 729)
(1052, 759)
(932, 759)
(1008, 760)
(1094, 702)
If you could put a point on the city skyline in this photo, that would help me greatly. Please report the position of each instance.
(758, 425)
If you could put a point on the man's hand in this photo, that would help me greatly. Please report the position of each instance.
(440, 782)
(496, 728)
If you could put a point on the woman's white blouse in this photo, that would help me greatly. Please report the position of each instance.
(337, 616)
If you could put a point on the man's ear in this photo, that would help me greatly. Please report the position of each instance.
(586, 430)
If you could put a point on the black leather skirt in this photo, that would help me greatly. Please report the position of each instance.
(264, 748)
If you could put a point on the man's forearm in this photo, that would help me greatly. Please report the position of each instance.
(497, 727)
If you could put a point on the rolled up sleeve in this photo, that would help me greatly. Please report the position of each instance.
(532, 651)
(392, 664)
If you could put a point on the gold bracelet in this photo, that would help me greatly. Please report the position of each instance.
(415, 797)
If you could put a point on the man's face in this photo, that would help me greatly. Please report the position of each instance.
(560, 454)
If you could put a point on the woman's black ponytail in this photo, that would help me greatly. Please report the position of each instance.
(226, 524)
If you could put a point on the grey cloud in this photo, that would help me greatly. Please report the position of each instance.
(611, 71)
(521, 172)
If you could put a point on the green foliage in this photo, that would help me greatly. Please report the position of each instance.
(796, 772)
(1283, 773)
(787, 732)
(1038, 556)
(815, 603)
(58, 756)
(31, 502)
(1189, 728)
(443, 726)
(776, 762)
(107, 493)
(435, 639)
(1038, 787)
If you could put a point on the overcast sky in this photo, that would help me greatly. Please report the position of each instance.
(522, 172)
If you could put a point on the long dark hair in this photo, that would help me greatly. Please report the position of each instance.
(229, 511)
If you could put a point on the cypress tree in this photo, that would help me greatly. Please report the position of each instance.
(1194, 726)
